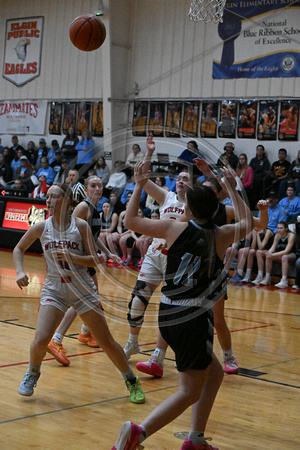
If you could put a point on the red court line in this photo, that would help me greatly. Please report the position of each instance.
(253, 328)
(69, 356)
(294, 328)
(246, 320)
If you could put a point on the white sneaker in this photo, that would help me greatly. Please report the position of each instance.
(265, 282)
(230, 364)
(257, 280)
(282, 284)
(246, 280)
(295, 286)
(131, 349)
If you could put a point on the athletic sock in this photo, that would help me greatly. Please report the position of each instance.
(160, 353)
(133, 338)
(144, 434)
(260, 273)
(268, 276)
(84, 329)
(34, 369)
(58, 338)
(227, 353)
(284, 278)
(240, 272)
(197, 437)
(248, 273)
(128, 375)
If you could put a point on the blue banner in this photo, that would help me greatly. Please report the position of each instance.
(258, 39)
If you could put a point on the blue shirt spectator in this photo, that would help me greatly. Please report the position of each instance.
(51, 153)
(190, 153)
(129, 188)
(100, 203)
(46, 170)
(42, 150)
(276, 212)
(85, 148)
(291, 203)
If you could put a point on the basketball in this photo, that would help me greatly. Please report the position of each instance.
(87, 32)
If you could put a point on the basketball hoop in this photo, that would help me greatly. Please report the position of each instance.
(207, 10)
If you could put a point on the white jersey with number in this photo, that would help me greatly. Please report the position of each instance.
(154, 265)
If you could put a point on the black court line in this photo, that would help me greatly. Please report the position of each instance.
(269, 381)
(279, 362)
(81, 406)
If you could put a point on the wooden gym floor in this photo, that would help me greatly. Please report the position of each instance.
(83, 406)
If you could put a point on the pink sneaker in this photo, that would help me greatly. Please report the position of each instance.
(231, 365)
(128, 437)
(151, 367)
(188, 445)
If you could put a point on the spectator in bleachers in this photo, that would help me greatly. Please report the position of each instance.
(171, 178)
(31, 153)
(230, 156)
(129, 188)
(117, 180)
(116, 204)
(151, 204)
(1, 146)
(135, 156)
(293, 176)
(16, 160)
(85, 152)
(7, 155)
(241, 253)
(102, 170)
(119, 237)
(56, 164)
(78, 188)
(290, 203)
(279, 171)
(18, 184)
(109, 222)
(41, 189)
(15, 146)
(25, 171)
(245, 174)
(190, 153)
(68, 146)
(52, 151)
(46, 170)
(5, 171)
(42, 151)
(62, 174)
(260, 166)
(283, 251)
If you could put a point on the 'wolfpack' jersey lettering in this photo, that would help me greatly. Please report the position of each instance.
(52, 240)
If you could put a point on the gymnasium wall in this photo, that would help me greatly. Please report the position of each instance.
(152, 51)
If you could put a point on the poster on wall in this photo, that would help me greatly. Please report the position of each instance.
(83, 117)
(247, 119)
(288, 121)
(140, 118)
(258, 39)
(209, 119)
(55, 118)
(22, 49)
(69, 116)
(190, 118)
(173, 122)
(97, 119)
(156, 118)
(227, 119)
(267, 121)
(23, 116)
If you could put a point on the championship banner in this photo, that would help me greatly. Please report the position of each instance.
(258, 39)
(23, 116)
(22, 52)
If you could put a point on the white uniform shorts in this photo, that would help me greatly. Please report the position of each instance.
(77, 291)
(153, 268)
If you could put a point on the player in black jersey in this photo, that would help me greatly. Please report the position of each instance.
(196, 249)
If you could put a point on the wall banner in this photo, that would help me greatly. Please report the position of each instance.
(258, 39)
(23, 46)
(23, 116)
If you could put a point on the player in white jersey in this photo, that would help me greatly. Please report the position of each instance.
(153, 268)
(69, 248)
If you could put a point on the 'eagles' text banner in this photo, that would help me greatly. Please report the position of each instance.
(258, 39)
(23, 116)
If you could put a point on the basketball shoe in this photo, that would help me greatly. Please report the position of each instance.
(188, 445)
(128, 437)
(87, 339)
(231, 365)
(131, 349)
(59, 353)
(28, 383)
(151, 367)
(136, 393)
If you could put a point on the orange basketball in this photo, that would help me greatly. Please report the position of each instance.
(87, 32)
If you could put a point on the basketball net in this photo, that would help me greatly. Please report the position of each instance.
(207, 10)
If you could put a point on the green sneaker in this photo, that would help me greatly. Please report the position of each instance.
(136, 393)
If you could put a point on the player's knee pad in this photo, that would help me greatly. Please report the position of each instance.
(140, 297)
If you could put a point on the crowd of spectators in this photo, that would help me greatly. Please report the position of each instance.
(34, 169)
